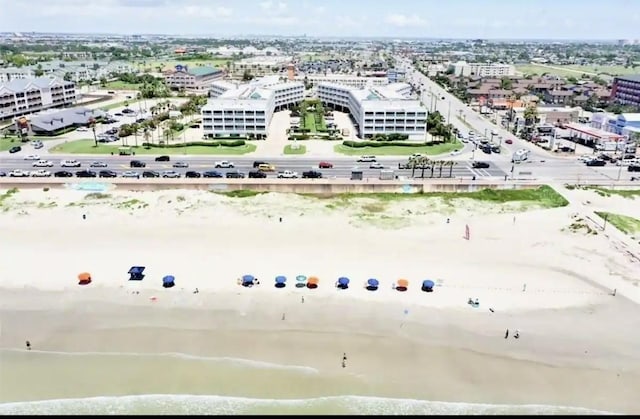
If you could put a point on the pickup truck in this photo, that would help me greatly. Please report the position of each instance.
(288, 174)
(311, 174)
(223, 165)
(18, 173)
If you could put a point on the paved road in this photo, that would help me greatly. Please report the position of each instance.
(342, 166)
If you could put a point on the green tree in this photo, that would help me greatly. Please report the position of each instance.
(38, 72)
(246, 76)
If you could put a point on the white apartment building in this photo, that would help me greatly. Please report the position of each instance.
(378, 110)
(462, 68)
(78, 70)
(260, 66)
(246, 109)
(25, 96)
(343, 79)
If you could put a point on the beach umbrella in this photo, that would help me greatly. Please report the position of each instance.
(427, 285)
(168, 281)
(84, 278)
(372, 282)
(343, 282)
(301, 281)
(281, 279)
(312, 282)
(246, 279)
(402, 285)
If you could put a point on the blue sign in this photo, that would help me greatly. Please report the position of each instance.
(180, 67)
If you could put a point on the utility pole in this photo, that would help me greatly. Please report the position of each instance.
(448, 112)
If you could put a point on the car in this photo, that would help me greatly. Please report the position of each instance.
(140, 120)
(3, 174)
(70, 163)
(415, 155)
(107, 173)
(257, 174)
(15, 149)
(311, 174)
(37, 144)
(596, 162)
(41, 173)
(18, 173)
(366, 159)
(376, 165)
(118, 114)
(223, 165)
(32, 157)
(86, 173)
(508, 141)
(267, 168)
(212, 174)
(62, 173)
(127, 110)
(480, 165)
(192, 174)
(325, 165)
(585, 158)
(131, 174)
(170, 174)
(111, 131)
(82, 129)
(150, 173)
(234, 174)
(258, 163)
(163, 158)
(98, 164)
(180, 165)
(43, 163)
(633, 168)
(137, 163)
(287, 174)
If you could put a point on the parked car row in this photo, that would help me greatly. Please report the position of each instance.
(171, 174)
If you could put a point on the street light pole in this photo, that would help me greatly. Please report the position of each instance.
(449, 112)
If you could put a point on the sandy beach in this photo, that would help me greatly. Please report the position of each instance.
(529, 269)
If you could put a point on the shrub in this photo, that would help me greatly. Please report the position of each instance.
(361, 144)
(230, 143)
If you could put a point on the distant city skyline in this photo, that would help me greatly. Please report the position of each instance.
(453, 19)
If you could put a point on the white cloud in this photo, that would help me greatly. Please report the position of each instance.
(273, 7)
(319, 10)
(405, 21)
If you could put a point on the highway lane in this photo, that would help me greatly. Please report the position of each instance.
(342, 167)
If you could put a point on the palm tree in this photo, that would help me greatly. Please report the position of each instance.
(135, 127)
(425, 163)
(451, 163)
(146, 135)
(441, 164)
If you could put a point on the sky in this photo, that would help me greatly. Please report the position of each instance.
(459, 19)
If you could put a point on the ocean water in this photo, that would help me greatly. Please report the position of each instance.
(41, 382)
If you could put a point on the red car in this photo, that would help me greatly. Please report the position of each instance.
(325, 165)
(508, 141)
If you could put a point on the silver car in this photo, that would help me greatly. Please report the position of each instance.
(131, 174)
(170, 174)
(98, 164)
(180, 165)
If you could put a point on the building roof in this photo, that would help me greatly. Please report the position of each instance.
(631, 77)
(21, 85)
(203, 71)
(60, 119)
(381, 97)
(630, 117)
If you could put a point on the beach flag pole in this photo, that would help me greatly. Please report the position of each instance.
(466, 232)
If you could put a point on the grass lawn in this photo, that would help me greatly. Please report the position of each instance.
(311, 122)
(612, 70)
(625, 193)
(121, 85)
(171, 63)
(544, 196)
(397, 150)
(301, 149)
(539, 70)
(624, 223)
(6, 143)
(87, 146)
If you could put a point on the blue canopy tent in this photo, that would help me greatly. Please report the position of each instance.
(301, 281)
(136, 273)
(281, 281)
(247, 280)
(372, 284)
(343, 283)
(427, 285)
(168, 281)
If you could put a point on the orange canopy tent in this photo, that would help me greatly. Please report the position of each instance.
(312, 282)
(402, 285)
(84, 278)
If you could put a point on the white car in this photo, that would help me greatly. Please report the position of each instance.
(70, 163)
(366, 159)
(82, 129)
(376, 165)
(98, 164)
(224, 165)
(41, 173)
(43, 163)
(32, 157)
(131, 174)
(18, 173)
(170, 174)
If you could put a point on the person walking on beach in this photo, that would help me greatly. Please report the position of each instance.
(28, 345)
(524, 287)
(506, 334)
(516, 335)
(302, 300)
(614, 292)
(84, 216)
(344, 360)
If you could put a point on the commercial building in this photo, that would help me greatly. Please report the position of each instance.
(246, 109)
(379, 109)
(626, 90)
(57, 122)
(193, 79)
(343, 79)
(259, 66)
(462, 68)
(24, 96)
(395, 75)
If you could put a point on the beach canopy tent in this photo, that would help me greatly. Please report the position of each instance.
(281, 281)
(247, 280)
(84, 278)
(168, 281)
(301, 281)
(312, 282)
(372, 284)
(427, 285)
(402, 285)
(343, 283)
(136, 273)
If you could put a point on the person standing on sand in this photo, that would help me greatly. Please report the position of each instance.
(28, 345)
(344, 360)
(506, 334)
(524, 287)
(302, 300)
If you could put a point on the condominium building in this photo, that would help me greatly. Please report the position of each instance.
(77, 70)
(378, 110)
(246, 109)
(626, 90)
(343, 79)
(194, 79)
(260, 66)
(462, 68)
(24, 96)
